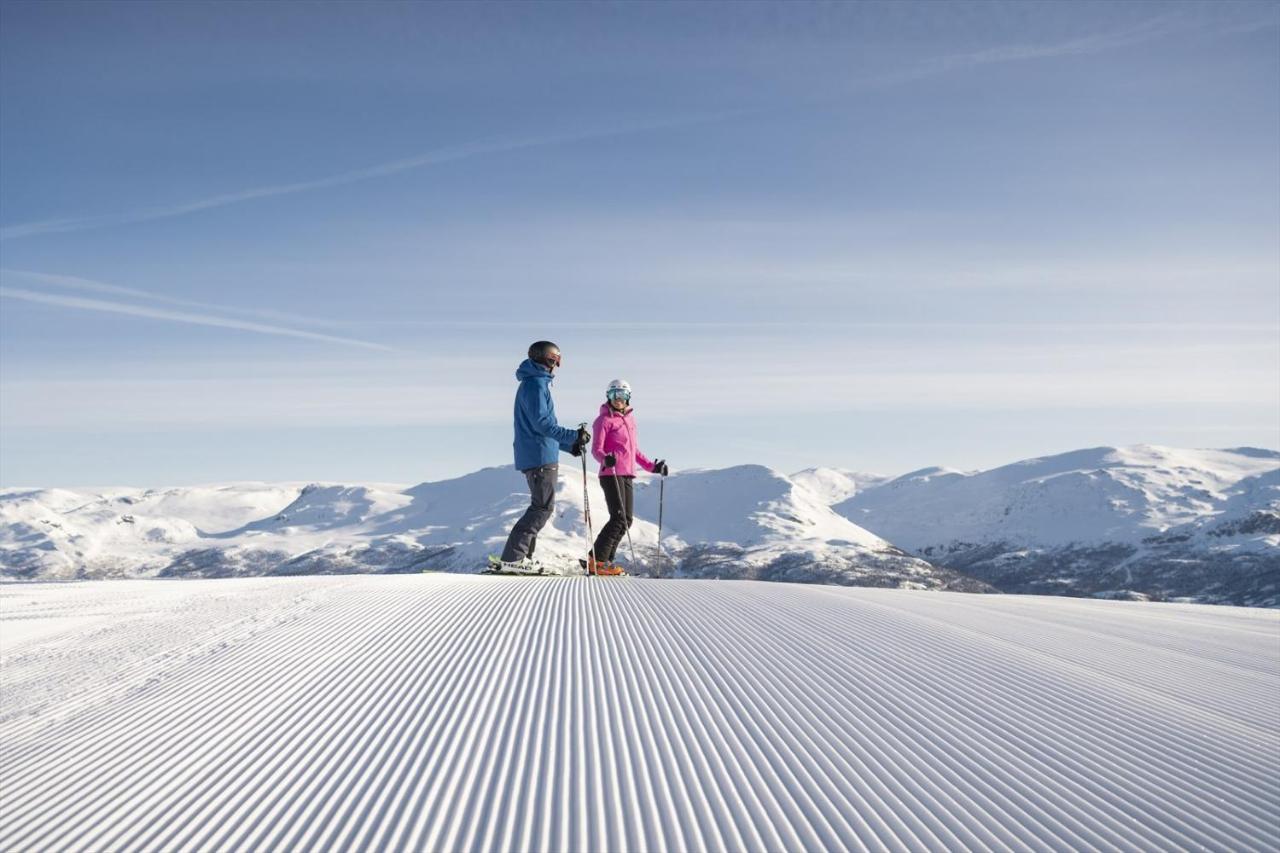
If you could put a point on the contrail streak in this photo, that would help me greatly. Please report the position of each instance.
(1153, 29)
(431, 158)
(74, 282)
(179, 317)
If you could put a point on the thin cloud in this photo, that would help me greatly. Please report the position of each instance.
(790, 325)
(179, 317)
(431, 158)
(1150, 30)
(73, 282)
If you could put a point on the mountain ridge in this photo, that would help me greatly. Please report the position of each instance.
(1141, 522)
(745, 521)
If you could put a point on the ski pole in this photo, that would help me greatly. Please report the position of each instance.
(586, 510)
(662, 488)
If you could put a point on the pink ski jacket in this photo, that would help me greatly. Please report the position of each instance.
(615, 432)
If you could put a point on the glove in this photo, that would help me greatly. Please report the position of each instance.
(660, 468)
(610, 460)
(580, 442)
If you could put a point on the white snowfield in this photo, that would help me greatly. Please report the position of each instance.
(457, 712)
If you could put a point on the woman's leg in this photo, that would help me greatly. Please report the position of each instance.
(607, 542)
(628, 502)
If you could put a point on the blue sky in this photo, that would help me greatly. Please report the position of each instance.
(312, 241)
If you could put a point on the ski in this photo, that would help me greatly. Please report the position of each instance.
(495, 568)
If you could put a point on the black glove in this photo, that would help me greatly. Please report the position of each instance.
(580, 442)
(610, 460)
(660, 468)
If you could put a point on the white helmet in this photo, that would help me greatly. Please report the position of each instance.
(618, 388)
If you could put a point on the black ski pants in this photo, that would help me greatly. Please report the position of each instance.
(542, 499)
(620, 496)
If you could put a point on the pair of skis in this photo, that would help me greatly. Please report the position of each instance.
(496, 568)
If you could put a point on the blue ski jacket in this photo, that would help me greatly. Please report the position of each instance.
(538, 436)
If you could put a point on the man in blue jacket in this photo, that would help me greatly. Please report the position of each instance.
(538, 442)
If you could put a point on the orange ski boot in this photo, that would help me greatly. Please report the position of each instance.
(601, 567)
(610, 569)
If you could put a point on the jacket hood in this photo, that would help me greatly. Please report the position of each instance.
(530, 369)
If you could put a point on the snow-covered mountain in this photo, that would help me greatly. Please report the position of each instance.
(834, 485)
(1141, 521)
(752, 522)
(738, 522)
(1136, 521)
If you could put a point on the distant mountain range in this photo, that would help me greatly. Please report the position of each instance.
(742, 522)
(1132, 522)
(1137, 522)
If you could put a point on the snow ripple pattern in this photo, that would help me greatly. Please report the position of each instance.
(446, 712)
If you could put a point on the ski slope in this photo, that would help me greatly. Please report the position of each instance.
(451, 712)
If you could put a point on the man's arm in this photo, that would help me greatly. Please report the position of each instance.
(536, 403)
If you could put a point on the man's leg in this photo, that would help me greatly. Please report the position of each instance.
(542, 496)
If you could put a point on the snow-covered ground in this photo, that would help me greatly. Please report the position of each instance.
(443, 712)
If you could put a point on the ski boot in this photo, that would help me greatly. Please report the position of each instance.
(601, 567)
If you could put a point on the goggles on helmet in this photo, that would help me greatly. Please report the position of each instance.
(618, 394)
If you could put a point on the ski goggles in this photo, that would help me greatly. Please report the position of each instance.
(618, 394)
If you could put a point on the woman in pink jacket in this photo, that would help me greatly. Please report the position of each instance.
(613, 444)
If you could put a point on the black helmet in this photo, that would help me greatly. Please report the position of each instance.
(545, 353)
